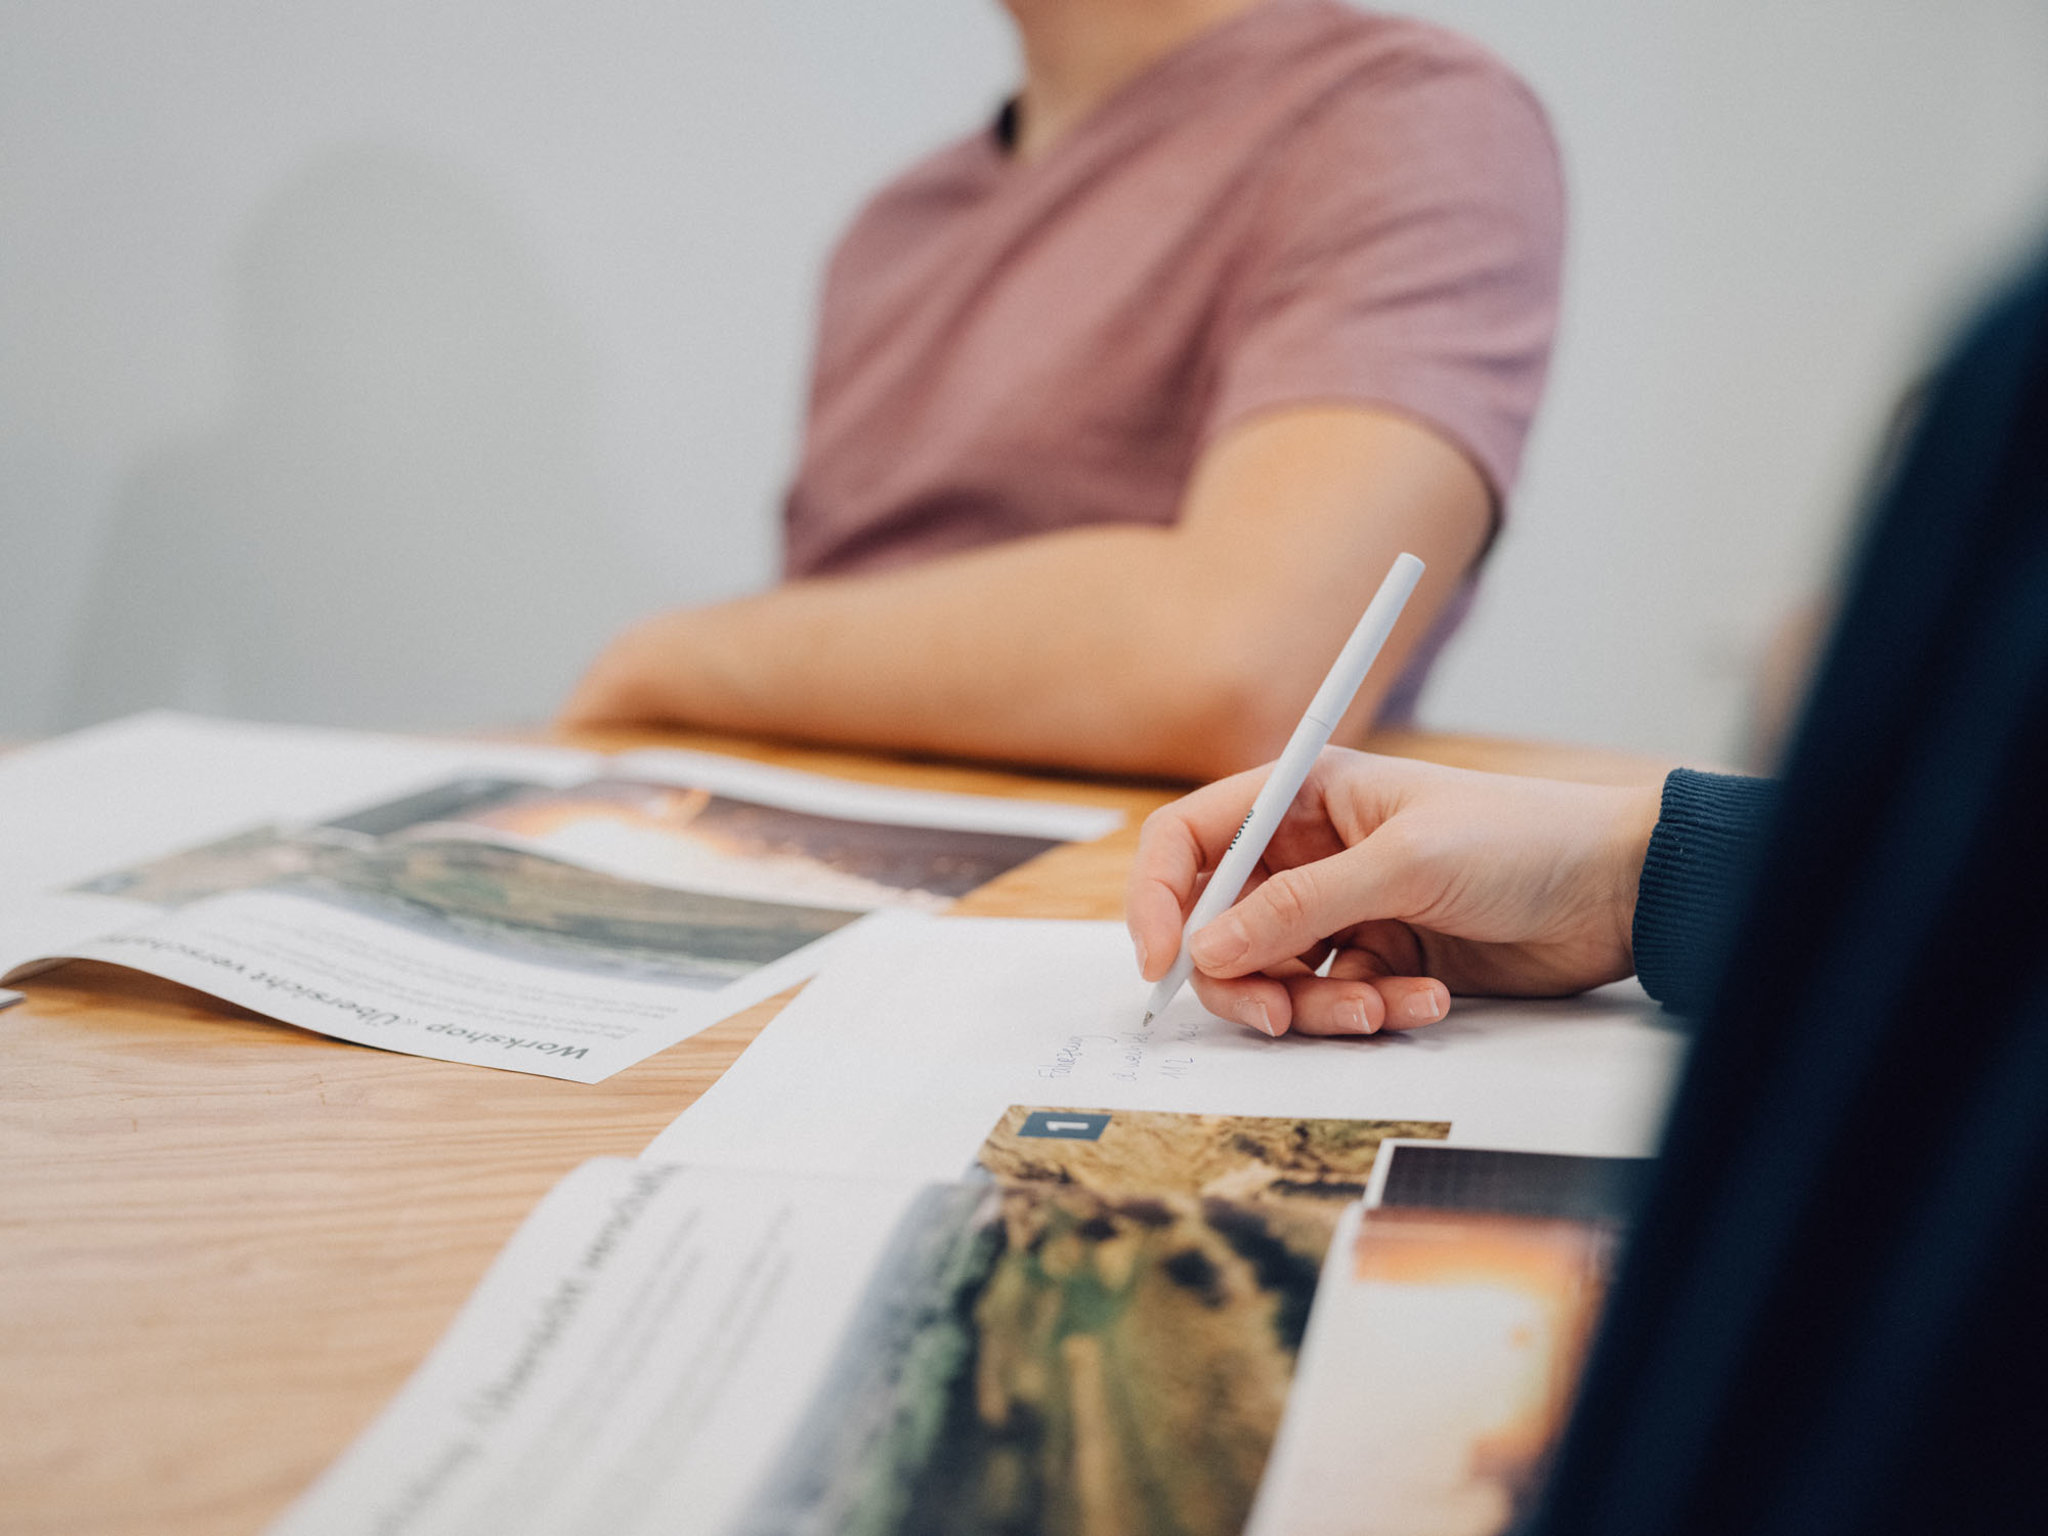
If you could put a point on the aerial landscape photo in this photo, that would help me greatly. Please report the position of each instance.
(1096, 1337)
(674, 834)
(615, 877)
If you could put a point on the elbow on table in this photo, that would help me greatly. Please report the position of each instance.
(623, 684)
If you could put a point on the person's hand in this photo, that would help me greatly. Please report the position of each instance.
(1412, 880)
(624, 685)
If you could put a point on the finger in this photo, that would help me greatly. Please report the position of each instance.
(1376, 953)
(1258, 1002)
(1312, 959)
(1289, 913)
(1383, 948)
(1326, 1006)
(1413, 1001)
(1177, 843)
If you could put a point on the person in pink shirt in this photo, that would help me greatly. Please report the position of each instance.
(1122, 406)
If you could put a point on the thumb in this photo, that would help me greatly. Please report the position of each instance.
(1292, 912)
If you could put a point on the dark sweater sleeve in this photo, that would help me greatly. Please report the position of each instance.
(1709, 829)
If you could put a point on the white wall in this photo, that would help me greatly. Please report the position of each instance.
(370, 361)
(1779, 207)
(456, 333)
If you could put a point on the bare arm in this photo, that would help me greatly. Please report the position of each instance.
(1186, 651)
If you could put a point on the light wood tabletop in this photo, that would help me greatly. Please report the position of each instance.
(225, 1242)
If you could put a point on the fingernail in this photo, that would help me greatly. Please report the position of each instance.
(1139, 945)
(1253, 1012)
(1352, 1017)
(1422, 1007)
(1219, 944)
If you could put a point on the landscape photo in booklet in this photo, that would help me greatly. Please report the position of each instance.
(1098, 1334)
(1451, 1325)
(658, 882)
(690, 837)
(564, 929)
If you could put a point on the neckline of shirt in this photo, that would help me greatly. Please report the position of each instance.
(1212, 51)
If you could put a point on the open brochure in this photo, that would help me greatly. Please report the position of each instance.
(548, 912)
(1096, 1331)
(795, 1316)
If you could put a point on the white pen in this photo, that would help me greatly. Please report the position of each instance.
(1284, 783)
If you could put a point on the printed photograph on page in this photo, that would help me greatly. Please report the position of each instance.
(613, 877)
(667, 834)
(1447, 1344)
(1097, 1334)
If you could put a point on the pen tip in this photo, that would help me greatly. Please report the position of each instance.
(1146, 1020)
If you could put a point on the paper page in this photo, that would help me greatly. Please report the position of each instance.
(668, 831)
(1095, 1334)
(149, 785)
(1450, 1326)
(377, 982)
(895, 1060)
(546, 913)
(633, 1361)
(851, 801)
(153, 786)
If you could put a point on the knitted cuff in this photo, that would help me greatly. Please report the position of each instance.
(1709, 830)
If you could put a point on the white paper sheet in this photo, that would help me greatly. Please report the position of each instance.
(823, 796)
(896, 1060)
(446, 947)
(356, 978)
(632, 1362)
(151, 784)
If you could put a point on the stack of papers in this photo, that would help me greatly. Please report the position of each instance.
(960, 1245)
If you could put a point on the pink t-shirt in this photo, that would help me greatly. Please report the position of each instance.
(1306, 204)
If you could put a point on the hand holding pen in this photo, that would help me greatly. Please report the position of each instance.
(1352, 893)
(1284, 781)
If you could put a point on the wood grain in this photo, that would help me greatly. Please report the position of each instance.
(224, 1242)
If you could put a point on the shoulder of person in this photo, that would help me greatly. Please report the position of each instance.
(1407, 116)
(906, 210)
(1413, 78)
(956, 173)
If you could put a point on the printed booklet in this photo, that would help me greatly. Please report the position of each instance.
(548, 912)
(1152, 1305)
(1096, 1332)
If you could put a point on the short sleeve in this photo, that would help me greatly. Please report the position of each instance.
(1406, 255)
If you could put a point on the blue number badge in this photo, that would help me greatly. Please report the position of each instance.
(1063, 1125)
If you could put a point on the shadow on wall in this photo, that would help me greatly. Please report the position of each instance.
(400, 522)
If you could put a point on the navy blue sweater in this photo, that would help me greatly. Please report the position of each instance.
(1831, 1316)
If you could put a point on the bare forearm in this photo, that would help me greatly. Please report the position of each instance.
(1186, 651)
(1091, 648)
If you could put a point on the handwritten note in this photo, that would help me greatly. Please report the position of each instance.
(898, 1058)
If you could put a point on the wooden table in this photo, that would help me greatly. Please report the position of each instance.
(225, 1242)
